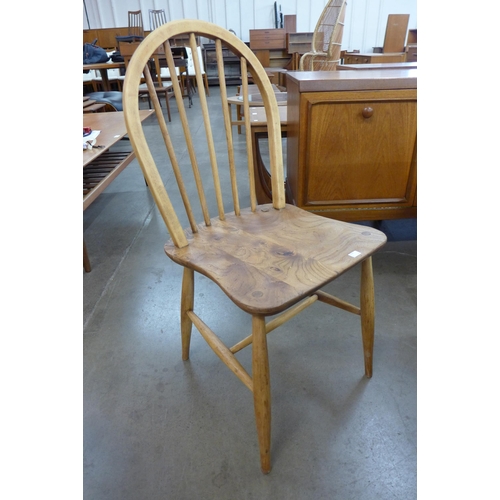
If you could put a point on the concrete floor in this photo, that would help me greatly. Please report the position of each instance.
(156, 427)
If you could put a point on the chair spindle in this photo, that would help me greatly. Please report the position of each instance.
(248, 135)
(228, 127)
(179, 98)
(208, 127)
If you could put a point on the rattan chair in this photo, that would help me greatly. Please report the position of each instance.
(327, 39)
(270, 260)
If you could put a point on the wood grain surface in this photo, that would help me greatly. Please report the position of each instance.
(270, 259)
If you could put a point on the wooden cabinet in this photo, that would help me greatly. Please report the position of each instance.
(411, 46)
(278, 58)
(351, 143)
(411, 53)
(299, 43)
(267, 39)
(371, 58)
(269, 45)
(106, 37)
(232, 69)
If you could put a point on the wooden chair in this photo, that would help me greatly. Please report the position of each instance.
(161, 86)
(191, 70)
(135, 25)
(156, 18)
(269, 259)
(327, 39)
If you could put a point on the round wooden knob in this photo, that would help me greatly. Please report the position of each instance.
(367, 112)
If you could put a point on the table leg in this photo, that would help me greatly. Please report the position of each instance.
(239, 115)
(261, 173)
(105, 79)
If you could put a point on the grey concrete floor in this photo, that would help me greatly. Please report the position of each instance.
(156, 427)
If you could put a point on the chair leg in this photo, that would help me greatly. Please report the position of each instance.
(192, 83)
(367, 303)
(168, 105)
(86, 259)
(261, 391)
(187, 302)
(239, 116)
(205, 78)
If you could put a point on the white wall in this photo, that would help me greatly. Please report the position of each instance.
(364, 27)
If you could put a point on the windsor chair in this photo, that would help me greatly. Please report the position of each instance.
(271, 259)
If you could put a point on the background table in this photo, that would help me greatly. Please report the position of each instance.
(102, 165)
(255, 100)
(258, 127)
(102, 67)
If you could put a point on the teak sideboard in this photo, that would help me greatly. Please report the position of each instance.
(352, 143)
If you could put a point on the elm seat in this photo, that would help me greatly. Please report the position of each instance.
(113, 98)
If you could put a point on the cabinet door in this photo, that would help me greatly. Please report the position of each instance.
(358, 148)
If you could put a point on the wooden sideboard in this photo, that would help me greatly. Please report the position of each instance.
(411, 46)
(106, 37)
(379, 66)
(352, 143)
(373, 57)
(270, 47)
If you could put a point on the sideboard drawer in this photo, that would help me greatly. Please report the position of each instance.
(356, 60)
(267, 39)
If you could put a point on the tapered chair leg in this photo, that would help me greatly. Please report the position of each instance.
(261, 391)
(86, 259)
(205, 81)
(367, 305)
(168, 106)
(187, 302)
